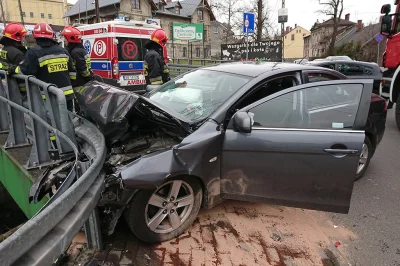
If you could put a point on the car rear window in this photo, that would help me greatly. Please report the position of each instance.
(131, 49)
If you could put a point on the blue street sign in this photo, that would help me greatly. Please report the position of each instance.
(248, 23)
(379, 38)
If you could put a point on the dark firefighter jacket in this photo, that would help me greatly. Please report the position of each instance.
(155, 69)
(12, 55)
(50, 63)
(81, 63)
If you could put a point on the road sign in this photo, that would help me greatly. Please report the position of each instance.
(379, 38)
(187, 32)
(248, 23)
(283, 15)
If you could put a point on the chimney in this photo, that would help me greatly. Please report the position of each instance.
(287, 30)
(295, 25)
(347, 17)
(168, 1)
(359, 25)
(291, 28)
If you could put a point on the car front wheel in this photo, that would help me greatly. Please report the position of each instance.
(163, 214)
(365, 157)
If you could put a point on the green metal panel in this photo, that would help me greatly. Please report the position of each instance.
(18, 182)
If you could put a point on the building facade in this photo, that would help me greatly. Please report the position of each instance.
(34, 11)
(167, 11)
(220, 34)
(321, 34)
(294, 42)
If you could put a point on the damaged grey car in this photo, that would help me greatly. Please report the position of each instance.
(241, 131)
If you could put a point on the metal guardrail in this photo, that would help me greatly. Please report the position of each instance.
(42, 239)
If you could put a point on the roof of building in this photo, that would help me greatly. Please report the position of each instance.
(329, 23)
(297, 27)
(365, 35)
(189, 7)
(83, 5)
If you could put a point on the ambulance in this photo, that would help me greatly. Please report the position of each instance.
(117, 49)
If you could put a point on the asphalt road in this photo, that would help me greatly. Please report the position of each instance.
(374, 215)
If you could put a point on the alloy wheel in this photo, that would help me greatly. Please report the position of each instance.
(169, 206)
(363, 158)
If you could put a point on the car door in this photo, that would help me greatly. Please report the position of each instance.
(303, 149)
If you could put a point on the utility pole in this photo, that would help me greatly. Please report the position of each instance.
(20, 12)
(2, 13)
(96, 6)
(283, 34)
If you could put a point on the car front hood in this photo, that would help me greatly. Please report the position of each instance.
(110, 108)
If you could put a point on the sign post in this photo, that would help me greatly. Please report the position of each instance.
(248, 27)
(282, 18)
(379, 38)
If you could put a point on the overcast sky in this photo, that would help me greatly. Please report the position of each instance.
(304, 12)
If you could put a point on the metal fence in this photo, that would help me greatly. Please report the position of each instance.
(41, 119)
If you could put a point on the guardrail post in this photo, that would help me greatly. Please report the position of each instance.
(40, 148)
(60, 118)
(93, 232)
(17, 135)
(4, 124)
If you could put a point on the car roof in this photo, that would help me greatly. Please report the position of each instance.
(254, 69)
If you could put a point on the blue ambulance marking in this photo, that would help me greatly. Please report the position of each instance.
(131, 65)
(101, 65)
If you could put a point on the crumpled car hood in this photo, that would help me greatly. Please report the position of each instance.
(109, 107)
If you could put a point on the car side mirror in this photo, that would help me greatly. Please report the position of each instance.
(242, 122)
(150, 88)
(386, 25)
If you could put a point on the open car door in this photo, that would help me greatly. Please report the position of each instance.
(301, 148)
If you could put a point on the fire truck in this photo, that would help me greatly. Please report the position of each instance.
(390, 85)
(117, 49)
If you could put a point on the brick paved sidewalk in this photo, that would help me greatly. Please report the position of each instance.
(234, 233)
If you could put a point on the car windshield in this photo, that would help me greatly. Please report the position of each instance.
(196, 95)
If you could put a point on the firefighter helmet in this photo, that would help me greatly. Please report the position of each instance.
(15, 31)
(159, 36)
(72, 34)
(43, 30)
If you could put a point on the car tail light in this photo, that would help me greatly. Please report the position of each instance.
(115, 68)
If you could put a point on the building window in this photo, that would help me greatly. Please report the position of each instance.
(184, 51)
(197, 52)
(205, 52)
(205, 35)
(292, 37)
(31, 14)
(161, 6)
(285, 37)
(41, 15)
(50, 16)
(299, 31)
(177, 10)
(23, 14)
(216, 29)
(136, 4)
(200, 14)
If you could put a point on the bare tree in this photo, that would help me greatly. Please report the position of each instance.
(333, 8)
(228, 8)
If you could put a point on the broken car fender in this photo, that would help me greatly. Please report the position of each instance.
(197, 155)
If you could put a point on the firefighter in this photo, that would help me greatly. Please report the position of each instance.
(13, 50)
(49, 62)
(80, 58)
(155, 69)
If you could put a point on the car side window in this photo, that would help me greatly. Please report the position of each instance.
(351, 69)
(332, 107)
(316, 77)
(330, 66)
(368, 70)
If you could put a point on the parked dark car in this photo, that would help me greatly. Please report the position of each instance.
(354, 70)
(265, 132)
